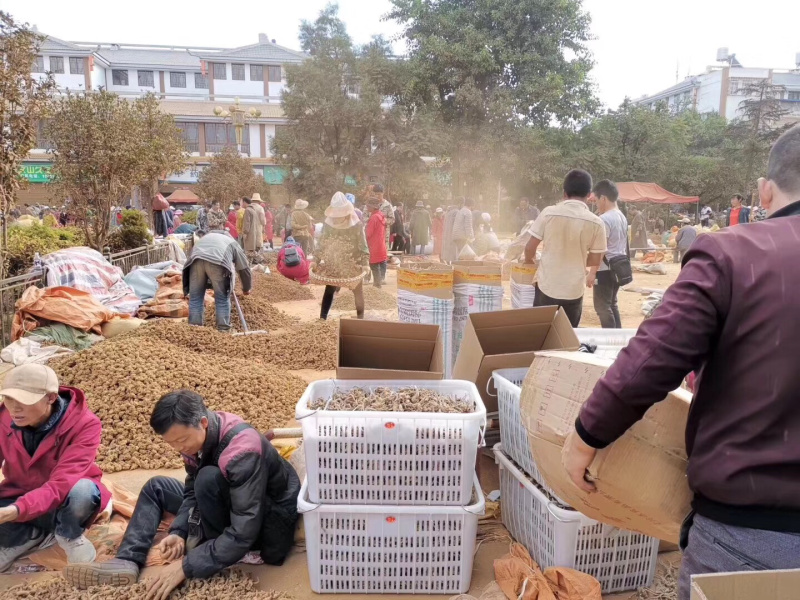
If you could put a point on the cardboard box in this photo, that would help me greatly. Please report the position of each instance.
(761, 585)
(523, 274)
(389, 350)
(427, 279)
(640, 478)
(478, 272)
(508, 339)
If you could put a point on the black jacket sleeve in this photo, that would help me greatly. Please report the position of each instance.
(248, 483)
(180, 526)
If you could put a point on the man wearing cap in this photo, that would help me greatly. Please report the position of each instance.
(686, 236)
(386, 208)
(302, 226)
(51, 484)
(420, 228)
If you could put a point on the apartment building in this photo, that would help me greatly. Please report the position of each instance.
(190, 83)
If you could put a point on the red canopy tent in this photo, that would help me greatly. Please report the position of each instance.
(183, 197)
(651, 192)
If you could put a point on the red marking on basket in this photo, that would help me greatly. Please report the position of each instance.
(389, 425)
(390, 519)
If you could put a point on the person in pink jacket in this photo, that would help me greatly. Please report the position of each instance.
(51, 484)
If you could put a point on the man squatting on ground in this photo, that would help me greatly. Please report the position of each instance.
(240, 496)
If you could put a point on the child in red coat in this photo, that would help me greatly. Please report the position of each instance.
(376, 240)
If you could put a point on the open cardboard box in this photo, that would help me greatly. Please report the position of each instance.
(389, 350)
(478, 272)
(507, 339)
(761, 585)
(640, 478)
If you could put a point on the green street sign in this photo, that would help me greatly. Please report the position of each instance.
(36, 173)
(274, 175)
(350, 180)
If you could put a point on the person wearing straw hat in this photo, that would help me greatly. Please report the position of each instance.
(250, 227)
(420, 228)
(342, 222)
(51, 483)
(684, 240)
(302, 226)
(262, 218)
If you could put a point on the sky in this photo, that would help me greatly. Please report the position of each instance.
(638, 45)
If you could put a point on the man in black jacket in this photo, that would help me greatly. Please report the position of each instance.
(239, 496)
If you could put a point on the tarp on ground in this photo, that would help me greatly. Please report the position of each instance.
(651, 192)
(143, 280)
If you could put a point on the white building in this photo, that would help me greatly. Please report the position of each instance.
(190, 83)
(721, 89)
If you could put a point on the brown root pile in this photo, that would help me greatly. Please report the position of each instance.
(335, 260)
(312, 345)
(258, 312)
(389, 400)
(665, 585)
(277, 288)
(124, 377)
(374, 299)
(233, 585)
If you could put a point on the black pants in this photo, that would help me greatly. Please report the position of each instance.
(605, 300)
(378, 273)
(573, 308)
(399, 243)
(327, 300)
(164, 495)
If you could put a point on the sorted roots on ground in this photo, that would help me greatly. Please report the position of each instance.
(274, 287)
(258, 312)
(335, 260)
(374, 299)
(390, 400)
(233, 585)
(124, 377)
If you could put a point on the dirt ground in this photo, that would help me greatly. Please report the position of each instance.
(292, 577)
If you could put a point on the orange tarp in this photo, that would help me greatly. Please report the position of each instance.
(651, 192)
(67, 305)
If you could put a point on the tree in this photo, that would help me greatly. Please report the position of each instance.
(103, 147)
(23, 102)
(229, 177)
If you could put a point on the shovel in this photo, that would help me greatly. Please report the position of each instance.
(241, 315)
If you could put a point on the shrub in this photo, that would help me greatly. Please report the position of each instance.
(133, 232)
(25, 242)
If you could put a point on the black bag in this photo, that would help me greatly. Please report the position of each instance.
(291, 258)
(621, 271)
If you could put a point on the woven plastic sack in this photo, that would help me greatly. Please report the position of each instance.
(522, 295)
(416, 308)
(472, 298)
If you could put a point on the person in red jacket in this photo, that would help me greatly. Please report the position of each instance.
(51, 484)
(292, 262)
(376, 236)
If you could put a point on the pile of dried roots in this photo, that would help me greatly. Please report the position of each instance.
(390, 400)
(335, 260)
(258, 312)
(374, 299)
(274, 287)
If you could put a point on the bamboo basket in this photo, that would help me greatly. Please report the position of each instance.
(349, 283)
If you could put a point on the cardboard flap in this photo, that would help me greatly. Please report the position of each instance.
(478, 272)
(377, 329)
(760, 585)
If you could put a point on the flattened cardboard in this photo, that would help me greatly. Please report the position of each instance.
(760, 585)
(641, 478)
(477, 272)
(389, 350)
(428, 279)
(507, 339)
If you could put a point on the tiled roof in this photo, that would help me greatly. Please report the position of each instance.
(258, 52)
(191, 108)
(51, 44)
(145, 57)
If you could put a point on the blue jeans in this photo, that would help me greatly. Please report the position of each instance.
(202, 274)
(69, 520)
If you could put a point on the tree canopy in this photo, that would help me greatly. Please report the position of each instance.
(230, 177)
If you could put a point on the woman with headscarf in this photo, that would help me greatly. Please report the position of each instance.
(437, 227)
(342, 223)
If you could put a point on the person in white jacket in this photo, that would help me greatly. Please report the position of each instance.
(463, 230)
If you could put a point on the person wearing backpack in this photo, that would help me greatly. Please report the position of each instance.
(615, 268)
(292, 261)
(239, 499)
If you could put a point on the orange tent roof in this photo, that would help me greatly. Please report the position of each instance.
(651, 192)
(183, 197)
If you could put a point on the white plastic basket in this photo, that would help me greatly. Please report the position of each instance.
(390, 457)
(390, 549)
(557, 537)
(609, 342)
(513, 434)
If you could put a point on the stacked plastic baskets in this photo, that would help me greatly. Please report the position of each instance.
(554, 534)
(390, 501)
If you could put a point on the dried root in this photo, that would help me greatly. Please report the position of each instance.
(374, 299)
(389, 400)
(335, 260)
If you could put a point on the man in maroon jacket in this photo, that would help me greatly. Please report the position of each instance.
(733, 315)
(48, 443)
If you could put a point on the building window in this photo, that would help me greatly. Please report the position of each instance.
(38, 65)
(177, 79)
(76, 65)
(219, 71)
(190, 134)
(219, 135)
(275, 74)
(42, 142)
(57, 64)
(146, 79)
(256, 73)
(794, 96)
(119, 77)
(237, 72)
(201, 81)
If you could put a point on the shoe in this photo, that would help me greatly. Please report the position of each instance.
(8, 556)
(116, 572)
(79, 550)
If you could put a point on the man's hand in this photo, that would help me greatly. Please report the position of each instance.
(8, 514)
(172, 547)
(165, 582)
(590, 279)
(576, 458)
